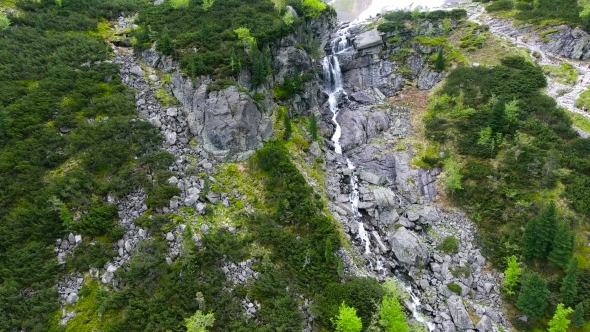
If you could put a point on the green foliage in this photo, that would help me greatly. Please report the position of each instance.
(532, 300)
(207, 4)
(180, 3)
(210, 30)
(578, 316)
(391, 315)
(363, 294)
(313, 8)
(497, 118)
(562, 246)
(199, 322)
(539, 232)
(313, 127)
(453, 287)
(450, 245)
(288, 18)
(569, 284)
(165, 43)
(288, 127)
(566, 11)
(347, 320)
(499, 5)
(511, 274)
(440, 61)
(453, 175)
(559, 322)
(100, 220)
(4, 22)
(291, 86)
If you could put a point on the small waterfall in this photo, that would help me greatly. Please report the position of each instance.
(333, 83)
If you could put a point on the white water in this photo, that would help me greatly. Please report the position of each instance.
(334, 86)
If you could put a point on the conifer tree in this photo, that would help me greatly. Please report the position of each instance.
(512, 274)
(569, 284)
(578, 316)
(440, 60)
(559, 322)
(165, 43)
(288, 129)
(562, 246)
(143, 37)
(532, 300)
(498, 117)
(313, 127)
(538, 234)
(347, 320)
(392, 316)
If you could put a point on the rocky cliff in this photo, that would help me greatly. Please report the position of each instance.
(233, 123)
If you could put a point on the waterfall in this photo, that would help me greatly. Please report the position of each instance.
(333, 85)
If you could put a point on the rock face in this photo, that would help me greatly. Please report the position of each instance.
(459, 313)
(408, 247)
(230, 124)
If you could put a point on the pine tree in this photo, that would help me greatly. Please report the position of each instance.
(347, 320)
(578, 316)
(562, 247)
(569, 284)
(143, 37)
(559, 322)
(313, 127)
(288, 129)
(392, 316)
(512, 274)
(532, 300)
(440, 60)
(165, 43)
(497, 119)
(538, 234)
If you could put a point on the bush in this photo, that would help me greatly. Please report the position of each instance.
(450, 245)
(453, 287)
(499, 5)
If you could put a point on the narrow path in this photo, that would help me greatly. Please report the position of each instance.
(504, 28)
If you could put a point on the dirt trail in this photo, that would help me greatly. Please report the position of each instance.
(564, 95)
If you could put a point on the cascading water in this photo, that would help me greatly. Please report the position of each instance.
(332, 76)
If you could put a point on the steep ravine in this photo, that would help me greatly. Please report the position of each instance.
(385, 205)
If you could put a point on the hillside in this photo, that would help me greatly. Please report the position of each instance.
(260, 166)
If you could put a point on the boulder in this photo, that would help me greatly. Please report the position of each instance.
(484, 325)
(72, 298)
(373, 178)
(384, 197)
(408, 248)
(368, 39)
(361, 97)
(459, 313)
(137, 71)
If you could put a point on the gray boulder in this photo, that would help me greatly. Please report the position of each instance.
(368, 39)
(408, 248)
(384, 197)
(137, 71)
(459, 313)
(484, 325)
(373, 178)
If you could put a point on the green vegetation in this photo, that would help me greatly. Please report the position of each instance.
(440, 61)
(392, 316)
(565, 73)
(216, 29)
(287, 125)
(584, 99)
(511, 275)
(395, 20)
(559, 322)
(347, 320)
(499, 5)
(532, 300)
(313, 127)
(521, 171)
(453, 287)
(67, 138)
(569, 284)
(450, 245)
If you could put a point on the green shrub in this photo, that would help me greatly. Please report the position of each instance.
(453, 287)
(159, 196)
(499, 5)
(450, 245)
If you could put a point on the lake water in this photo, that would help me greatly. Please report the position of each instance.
(349, 10)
